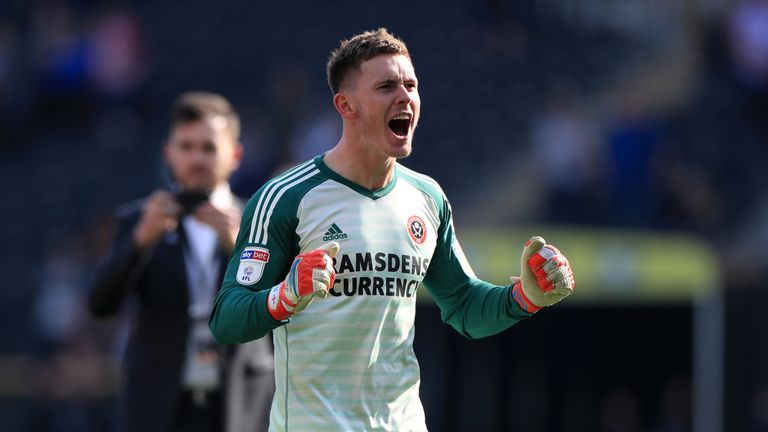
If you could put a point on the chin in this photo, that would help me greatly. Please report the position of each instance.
(400, 149)
(197, 186)
(400, 153)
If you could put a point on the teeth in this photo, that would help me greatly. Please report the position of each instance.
(402, 117)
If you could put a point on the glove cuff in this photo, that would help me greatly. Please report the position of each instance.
(518, 295)
(278, 306)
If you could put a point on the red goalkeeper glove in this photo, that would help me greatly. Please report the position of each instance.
(546, 276)
(311, 275)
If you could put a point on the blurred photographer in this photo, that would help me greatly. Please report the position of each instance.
(169, 253)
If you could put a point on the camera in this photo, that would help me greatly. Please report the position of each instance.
(189, 200)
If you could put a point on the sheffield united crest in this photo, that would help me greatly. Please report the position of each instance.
(417, 229)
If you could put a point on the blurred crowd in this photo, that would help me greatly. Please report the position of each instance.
(586, 119)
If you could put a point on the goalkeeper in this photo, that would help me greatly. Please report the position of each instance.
(330, 255)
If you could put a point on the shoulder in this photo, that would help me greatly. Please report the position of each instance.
(285, 190)
(423, 182)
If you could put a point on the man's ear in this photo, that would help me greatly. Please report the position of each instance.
(344, 105)
(237, 155)
(167, 152)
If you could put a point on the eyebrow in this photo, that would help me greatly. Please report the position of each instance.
(394, 80)
(389, 80)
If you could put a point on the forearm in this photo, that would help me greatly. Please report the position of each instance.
(240, 315)
(479, 309)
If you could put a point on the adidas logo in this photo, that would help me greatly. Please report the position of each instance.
(334, 233)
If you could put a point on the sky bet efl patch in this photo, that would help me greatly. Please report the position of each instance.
(252, 262)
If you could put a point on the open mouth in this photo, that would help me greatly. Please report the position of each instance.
(400, 125)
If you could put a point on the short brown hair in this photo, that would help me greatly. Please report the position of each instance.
(359, 48)
(197, 105)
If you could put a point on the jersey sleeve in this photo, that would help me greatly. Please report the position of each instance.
(475, 308)
(263, 252)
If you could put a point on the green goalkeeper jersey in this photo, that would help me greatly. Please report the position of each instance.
(346, 363)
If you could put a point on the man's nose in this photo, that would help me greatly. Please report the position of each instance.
(404, 96)
(199, 156)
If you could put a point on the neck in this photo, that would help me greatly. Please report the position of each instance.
(356, 162)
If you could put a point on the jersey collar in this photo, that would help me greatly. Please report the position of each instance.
(333, 175)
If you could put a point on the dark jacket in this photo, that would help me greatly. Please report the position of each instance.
(156, 351)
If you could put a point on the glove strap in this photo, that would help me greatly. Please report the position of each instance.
(518, 295)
